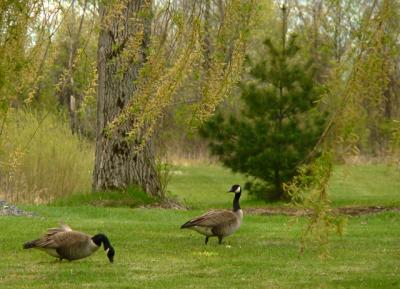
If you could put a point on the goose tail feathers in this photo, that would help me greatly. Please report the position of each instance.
(187, 225)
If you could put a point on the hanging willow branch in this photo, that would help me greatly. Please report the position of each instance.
(360, 84)
(359, 92)
(175, 55)
(153, 97)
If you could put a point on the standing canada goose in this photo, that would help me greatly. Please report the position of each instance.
(219, 223)
(64, 243)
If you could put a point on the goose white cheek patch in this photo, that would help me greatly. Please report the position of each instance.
(108, 249)
(237, 190)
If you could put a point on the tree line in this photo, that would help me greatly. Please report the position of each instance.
(277, 88)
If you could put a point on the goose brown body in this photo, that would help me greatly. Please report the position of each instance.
(218, 223)
(64, 243)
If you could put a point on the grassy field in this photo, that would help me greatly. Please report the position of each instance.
(152, 252)
(365, 185)
(361, 185)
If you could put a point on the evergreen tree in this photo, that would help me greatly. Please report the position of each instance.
(279, 123)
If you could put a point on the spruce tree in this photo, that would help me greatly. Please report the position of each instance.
(279, 123)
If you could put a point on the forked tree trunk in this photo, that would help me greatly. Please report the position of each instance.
(117, 166)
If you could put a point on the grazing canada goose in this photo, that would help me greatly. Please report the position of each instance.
(219, 223)
(64, 243)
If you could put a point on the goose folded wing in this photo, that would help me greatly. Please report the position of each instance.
(214, 218)
(61, 239)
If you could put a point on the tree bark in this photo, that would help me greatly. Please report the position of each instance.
(117, 166)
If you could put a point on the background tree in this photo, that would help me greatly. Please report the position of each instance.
(279, 123)
(141, 70)
(67, 93)
(118, 164)
(71, 80)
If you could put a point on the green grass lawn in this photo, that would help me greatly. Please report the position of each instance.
(358, 185)
(152, 252)
(365, 185)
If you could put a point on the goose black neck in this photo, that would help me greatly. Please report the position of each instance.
(101, 239)
(236, 205)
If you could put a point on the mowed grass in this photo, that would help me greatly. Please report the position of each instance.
(152, 252)
(204, 186)
(350, 185)
(365, 185)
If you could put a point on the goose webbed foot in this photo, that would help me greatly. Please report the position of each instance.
(206, 241)
(220, 240)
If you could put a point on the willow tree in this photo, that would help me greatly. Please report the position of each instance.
(145, 55)
(116, 165)
(361, 96)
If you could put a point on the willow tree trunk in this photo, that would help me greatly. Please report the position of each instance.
(117, 166)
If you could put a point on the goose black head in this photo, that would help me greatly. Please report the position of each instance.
(235, 189)
(110, 254)
(102, 239)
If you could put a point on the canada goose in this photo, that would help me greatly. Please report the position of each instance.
(219, 223)
(64, 243)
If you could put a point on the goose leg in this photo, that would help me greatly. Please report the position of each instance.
(220, 240)
(206, 241)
